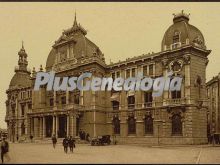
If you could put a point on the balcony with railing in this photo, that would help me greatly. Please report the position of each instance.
(131, 106)
(115, 107)
(177, 101)
(148, 104)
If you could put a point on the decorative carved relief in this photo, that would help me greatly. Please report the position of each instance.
(186, 59)
(165, 63)
(176, 66)
(172, 111)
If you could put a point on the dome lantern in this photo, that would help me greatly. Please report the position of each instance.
(21, 77)
(181, 33)
(181, 17)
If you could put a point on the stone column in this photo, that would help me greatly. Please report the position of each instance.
(54, 125)
(67, 97)
(187, 82)
(44, 128)
(67, 125)
(54, 100)
(32, 126)
(40, 132)
(94, 125)
(57, 125)
(72, 126)
(165, 70)
(28, 127)
(138, 94)
(35, 126)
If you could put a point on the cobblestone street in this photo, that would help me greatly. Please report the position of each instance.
(84, 153)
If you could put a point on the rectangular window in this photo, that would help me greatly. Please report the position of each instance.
(133, 72)
(22, 109)
(131, 102)
(145, 70)
(29, 93)
(29, 106)
(118, 74)
(76, 98)
(24, 95)
(176, 94)
(113, 76)
(51, 102)
(148, 99)
(176, 38)
(63, 100)
(127, 73)
(151, 69)
(115, 105)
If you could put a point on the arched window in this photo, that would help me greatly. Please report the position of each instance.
(148, 125)
(176, 124)
(116, 125)
(131, 125)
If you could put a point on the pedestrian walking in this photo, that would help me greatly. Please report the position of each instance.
(71, 143)
(54, 141)
(65, 144)
(4, 150)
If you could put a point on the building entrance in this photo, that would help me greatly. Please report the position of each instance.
(49, 125)
(62, 126)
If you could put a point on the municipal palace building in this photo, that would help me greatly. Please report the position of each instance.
(132, 117)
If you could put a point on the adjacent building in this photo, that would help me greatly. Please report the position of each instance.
(178, 117)
(213, 95)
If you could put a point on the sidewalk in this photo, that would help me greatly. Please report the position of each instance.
(174, 146)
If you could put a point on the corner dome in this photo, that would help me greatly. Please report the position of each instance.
(19, 80)
(72, 44)
(51, 58)
(181, 33)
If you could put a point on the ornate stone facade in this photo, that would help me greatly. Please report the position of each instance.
(131, 117)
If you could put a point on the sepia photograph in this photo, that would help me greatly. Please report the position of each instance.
(110, 82)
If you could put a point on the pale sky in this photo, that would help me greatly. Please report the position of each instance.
(121, 30)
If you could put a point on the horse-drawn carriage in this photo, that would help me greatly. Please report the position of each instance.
(101, 140)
